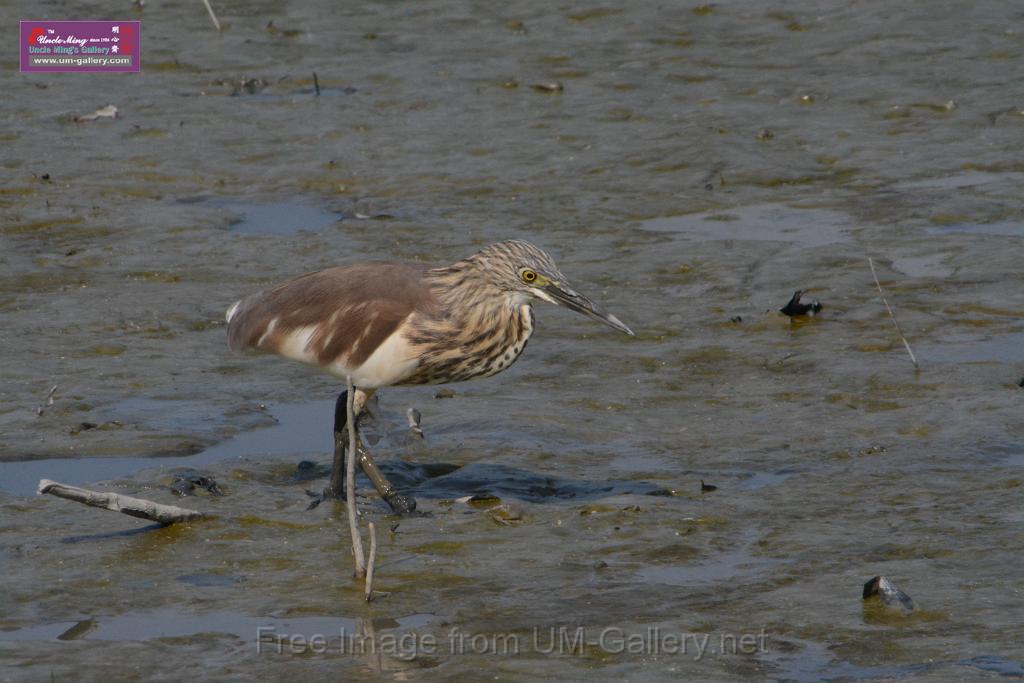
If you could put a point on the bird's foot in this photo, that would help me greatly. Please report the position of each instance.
(399, 504)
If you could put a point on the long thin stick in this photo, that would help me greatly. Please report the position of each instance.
(213, 16)
(370, 562)
(891, 314)
(136, 507)
(350, 482)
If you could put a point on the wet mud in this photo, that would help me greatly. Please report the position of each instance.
(695, 166)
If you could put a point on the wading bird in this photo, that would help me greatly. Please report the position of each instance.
(387, 323)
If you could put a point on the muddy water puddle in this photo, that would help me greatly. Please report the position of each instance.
(300, 429)
(174, 624)
(736, 564)
(970, 180)
(809, 227)
(274, 218)
(813, 662)
(997, 228)
(934, 265)
(1003, 348)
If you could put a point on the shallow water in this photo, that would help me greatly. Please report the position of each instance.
(280, 218)
(171, 624)
(699, 164)
(1003, 348)
(298, 429)
(1001, 228)
(808, 227)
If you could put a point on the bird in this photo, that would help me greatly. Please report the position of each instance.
(402, 323)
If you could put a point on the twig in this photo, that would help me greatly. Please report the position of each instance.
(136, 507)
(369, 563)
(48, 401)
(891, 314)
(216, 24)
(316, 84)
(350, 482)
(413, 416)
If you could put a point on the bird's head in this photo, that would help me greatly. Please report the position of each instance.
(526, 271)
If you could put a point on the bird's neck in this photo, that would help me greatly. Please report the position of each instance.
(468, 295)
(478, 311)
(479, 329)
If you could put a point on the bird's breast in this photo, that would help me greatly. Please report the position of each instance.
(480, 346)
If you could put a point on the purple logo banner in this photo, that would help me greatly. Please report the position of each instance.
(80, 45)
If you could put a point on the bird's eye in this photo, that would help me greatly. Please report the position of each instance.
(528, 275)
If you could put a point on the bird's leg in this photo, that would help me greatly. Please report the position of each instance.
(336, 489)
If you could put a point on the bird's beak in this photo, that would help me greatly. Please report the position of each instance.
(564, 296)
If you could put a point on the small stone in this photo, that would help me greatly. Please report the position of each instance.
(888, 594)
(552, 87)
(444, 393)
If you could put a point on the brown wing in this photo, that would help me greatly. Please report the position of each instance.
(344, 312)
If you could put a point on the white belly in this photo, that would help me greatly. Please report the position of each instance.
(390, 363)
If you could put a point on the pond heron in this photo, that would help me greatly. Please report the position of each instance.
(387, 323)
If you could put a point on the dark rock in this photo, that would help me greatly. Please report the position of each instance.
(888, 594)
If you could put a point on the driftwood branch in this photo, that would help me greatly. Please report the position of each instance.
(135, 507)
(413, 416)
(213, 17)
(350, 482)
(892, 315)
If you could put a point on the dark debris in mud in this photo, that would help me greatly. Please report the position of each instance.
(796, 308)
(185, 484)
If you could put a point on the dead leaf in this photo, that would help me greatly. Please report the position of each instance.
(107, 112)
